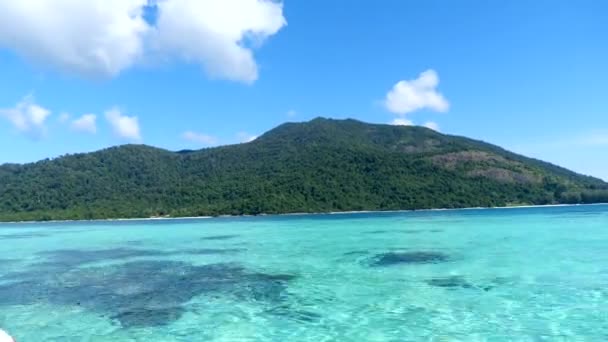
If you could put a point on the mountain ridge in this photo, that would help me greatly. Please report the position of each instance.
(317, 166)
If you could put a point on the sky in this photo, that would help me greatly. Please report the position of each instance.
(78, 76)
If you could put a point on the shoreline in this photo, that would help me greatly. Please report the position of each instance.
(135, 219)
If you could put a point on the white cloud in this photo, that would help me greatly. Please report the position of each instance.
(27, 117)
(412, 95)
(245, 137)
(214, 32)
(199, 138)
(92, 37)
(104, 37)
(86, 123)
(401, 122)
(291, 113)
(125, 127)
(432, 125)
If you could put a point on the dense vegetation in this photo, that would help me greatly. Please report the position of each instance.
(319, 166)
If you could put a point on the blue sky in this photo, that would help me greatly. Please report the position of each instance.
(527, 75)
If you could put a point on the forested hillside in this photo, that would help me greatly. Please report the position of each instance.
(318, 166)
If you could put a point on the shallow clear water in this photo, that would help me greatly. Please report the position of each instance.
(525, 274)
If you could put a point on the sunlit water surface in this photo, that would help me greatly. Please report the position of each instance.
(525, 274)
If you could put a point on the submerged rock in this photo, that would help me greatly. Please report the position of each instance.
(416, 257)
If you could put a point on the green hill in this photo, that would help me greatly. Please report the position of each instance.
(318, 166)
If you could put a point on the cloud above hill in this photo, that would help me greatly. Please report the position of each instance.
(432, 125)
(408, 96)
(421, 93)
(86, 124)
(92, 38)
(215, 33)
(102, 38)
(27, 117)
(125, 127)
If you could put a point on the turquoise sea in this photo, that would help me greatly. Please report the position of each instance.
(526, 274)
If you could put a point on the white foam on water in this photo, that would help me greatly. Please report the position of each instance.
(5, 337)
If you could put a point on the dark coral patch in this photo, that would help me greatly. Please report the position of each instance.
(455, 282)
(219, 237)
(450, 282)
(398, 258)
(377, 232)
(137, 293)
(148, 317)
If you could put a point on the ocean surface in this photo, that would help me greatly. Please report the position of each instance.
(526, 274)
